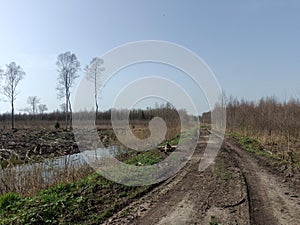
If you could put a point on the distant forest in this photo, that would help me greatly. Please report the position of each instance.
(169, 114)
(274, 122)
(266, 117)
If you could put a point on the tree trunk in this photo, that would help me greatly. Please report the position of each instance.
(12, 115)
(96, 102)
(66, 112)
(95, 92)
(70, 107)
(67, 102)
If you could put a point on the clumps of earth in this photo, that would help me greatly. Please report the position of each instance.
(21, 145)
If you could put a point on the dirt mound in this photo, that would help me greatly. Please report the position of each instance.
(36, 142)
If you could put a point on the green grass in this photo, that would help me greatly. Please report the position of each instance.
(213, 222)
(182, 138)
(254, 146)
(251, 145)
(146, 158)
(223, 172)
(8, 201)
(87, 201)
(153, 156)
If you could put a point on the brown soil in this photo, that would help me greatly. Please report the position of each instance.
(26, 143)
(31, 143)
(272, 199)
(237, 189)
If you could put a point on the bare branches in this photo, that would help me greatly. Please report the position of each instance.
(42, 108)
(93, 73)
(68, 67)
(32, 101)
(12, 76)
(94, 70)
(268, 119)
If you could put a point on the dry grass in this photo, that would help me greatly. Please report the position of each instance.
(29, 182)
(38, 176)
(276, 144)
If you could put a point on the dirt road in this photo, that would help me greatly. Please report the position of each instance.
(271, 199)
(233, 190)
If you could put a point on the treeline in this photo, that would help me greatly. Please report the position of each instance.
(170, 115)
(273, 122)
(267, 117)
(54, 116)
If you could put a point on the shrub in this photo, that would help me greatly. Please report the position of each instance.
(57, 125)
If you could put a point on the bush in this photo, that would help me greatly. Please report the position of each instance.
(57, 125)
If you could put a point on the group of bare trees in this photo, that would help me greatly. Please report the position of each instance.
(275, 123)
(34, 106)
(68, 68)
(11, 78)
(268, 117)
(68, 71)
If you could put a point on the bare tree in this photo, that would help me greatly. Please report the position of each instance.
(1, 74)
(12, 76)
(93, 73)
(68, 66)
(26, 110)
(33, 102)
(63, 107)
(42, 108)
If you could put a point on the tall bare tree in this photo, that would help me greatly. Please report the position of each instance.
(93, 74)
(68, 67)
(12, 77)
(33, 102)
(42, 108)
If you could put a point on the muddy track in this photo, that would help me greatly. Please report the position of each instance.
(233, 190)
(272, 201)
(218, 194)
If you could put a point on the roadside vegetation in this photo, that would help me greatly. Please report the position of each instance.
(256, 147)
(78, 195)
(89, 199)
(273, 123)
(252, 145)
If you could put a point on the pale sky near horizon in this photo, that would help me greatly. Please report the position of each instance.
(253, 47)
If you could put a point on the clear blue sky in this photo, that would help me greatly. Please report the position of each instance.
(253, 47)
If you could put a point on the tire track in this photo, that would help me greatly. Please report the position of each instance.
(193, 197)
(268, 202)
